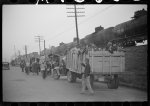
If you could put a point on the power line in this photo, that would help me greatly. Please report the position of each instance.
(54, 37)
(97, 13)
(56, 28)
(61, 33)
(76, 12)
(76, 21)
(64, 21)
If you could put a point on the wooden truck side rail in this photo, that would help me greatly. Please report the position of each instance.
(103, 64)
(100, 61)
(107, 63)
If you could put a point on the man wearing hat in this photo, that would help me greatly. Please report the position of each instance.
(86, 77)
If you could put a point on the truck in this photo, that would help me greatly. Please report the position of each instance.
(61, 69)
(105, 66)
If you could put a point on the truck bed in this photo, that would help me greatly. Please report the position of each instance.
(101, 62)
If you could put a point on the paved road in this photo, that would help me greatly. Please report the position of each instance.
(19, 87)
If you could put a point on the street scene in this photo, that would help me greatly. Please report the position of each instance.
(77, 53)
(28, 88)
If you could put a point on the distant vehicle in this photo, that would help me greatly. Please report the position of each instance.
(59, 70)
(6, 66)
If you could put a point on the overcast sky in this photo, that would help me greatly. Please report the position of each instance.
(21, 23)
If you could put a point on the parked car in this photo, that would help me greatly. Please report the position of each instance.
(6, 66)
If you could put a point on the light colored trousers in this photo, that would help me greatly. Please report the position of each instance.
(86, 83)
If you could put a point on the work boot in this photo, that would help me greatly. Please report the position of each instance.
(82, 92)
(92, 93)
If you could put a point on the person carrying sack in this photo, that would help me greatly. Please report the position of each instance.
(86, 77)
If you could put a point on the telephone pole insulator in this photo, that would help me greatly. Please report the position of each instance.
(76, 21)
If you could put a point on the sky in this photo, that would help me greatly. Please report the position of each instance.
(21, 23)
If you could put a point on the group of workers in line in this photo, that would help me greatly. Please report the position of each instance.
(36, 66)
(33, 66)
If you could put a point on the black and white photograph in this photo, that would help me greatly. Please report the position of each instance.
(74, 53)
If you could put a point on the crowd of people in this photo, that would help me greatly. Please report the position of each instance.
(111, 47)
(35, 65)
(30, 66)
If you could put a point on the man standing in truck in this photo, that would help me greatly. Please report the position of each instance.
(86, 77)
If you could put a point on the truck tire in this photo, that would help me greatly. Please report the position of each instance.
(55, 75)
(113, 83)
(74, 77)
(71, 77)
(116, 81)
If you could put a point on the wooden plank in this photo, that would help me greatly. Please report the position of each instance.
(102, 64)
(110, 64)
(106, 53)
(92, 61)
(105, 73)
(100, 61)
(121, 63)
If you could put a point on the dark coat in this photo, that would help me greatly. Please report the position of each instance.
(22, 64)
(34, 67)
(87, 69)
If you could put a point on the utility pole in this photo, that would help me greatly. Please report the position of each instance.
(39, 39)
(15, 51)
(26, 50)
(19, 52)
(49, 49)
(76, 21)
(19, 55)
(76, 24)
(44, 50)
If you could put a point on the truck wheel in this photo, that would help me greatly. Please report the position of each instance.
(113, 83)
(116, 81)
(74, 77)
(71, 77)
(55, 75)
